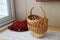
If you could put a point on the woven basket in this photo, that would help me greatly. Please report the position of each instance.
(36, 24)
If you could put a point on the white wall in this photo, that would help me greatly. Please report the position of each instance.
(52, 10)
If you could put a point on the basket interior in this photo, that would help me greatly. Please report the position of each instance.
(34, 17)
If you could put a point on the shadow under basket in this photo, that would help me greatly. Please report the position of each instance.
(36, 24)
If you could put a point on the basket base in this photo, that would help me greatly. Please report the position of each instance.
(38, 35)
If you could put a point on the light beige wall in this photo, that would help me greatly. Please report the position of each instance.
(30, 3)
(20, 9)
(52, 10)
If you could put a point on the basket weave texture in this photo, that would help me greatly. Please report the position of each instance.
(37, 24)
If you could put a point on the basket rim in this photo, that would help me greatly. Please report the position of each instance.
(35, 19)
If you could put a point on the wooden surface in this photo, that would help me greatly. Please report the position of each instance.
(47, 0)
(2, 39)
(54, 28)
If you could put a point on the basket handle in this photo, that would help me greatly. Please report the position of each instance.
(40, 8)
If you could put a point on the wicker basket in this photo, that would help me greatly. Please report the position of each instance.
(36, 24)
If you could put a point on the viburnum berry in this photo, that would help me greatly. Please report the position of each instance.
(20, 25)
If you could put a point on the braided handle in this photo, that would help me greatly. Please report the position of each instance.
(40, 8)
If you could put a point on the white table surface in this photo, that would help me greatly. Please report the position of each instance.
(10, 35)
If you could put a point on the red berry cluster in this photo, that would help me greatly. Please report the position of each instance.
(19, 26)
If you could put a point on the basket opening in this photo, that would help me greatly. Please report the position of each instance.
(34, 17)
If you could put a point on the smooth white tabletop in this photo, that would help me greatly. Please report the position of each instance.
(11, 35)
